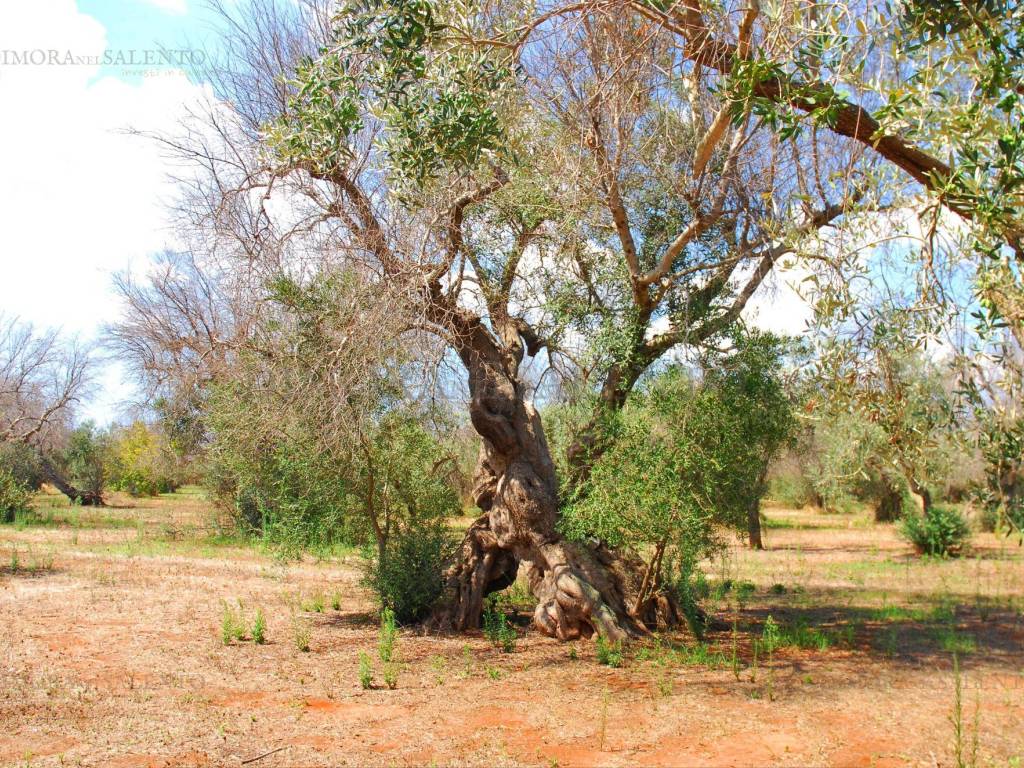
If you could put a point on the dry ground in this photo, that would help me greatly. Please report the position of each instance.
(111, 655)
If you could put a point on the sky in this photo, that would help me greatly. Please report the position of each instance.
(80, 198)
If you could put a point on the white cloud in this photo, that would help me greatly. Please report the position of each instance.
(80, 198)
(777, 307)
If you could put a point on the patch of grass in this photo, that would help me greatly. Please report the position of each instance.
(745, 590)
(494, 673)
(955, 642)
(336, 601)
(701, 655)
(942, 612)
(609, 652)
(314, 604)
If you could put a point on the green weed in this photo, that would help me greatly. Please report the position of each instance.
(497, 628)
(388, 636)
(301, 634)
(259, 628)
(365, 671)
(609, 653)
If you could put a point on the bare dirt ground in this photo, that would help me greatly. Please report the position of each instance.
(111, 655)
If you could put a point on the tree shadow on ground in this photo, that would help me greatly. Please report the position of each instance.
(361, 619)
(926, 631)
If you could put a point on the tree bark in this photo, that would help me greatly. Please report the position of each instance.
(922, 492)
(57, 480)
(754, 525)
(754, 512)
(580, 589)
(890, 506)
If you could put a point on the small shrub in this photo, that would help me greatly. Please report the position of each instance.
(232, 625)
(391, 675)
(609, 653)
(494, 673)
(942, 532)
(259, 628)
(438, 664)
(14, 497)
(388, 636)
(365, 671)
(336, 601)
(300, 635)
(409, 577)
(497, 629)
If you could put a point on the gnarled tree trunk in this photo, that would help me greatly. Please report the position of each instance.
(580, 589)
(754, 511)
(57, 480)
(889, 506)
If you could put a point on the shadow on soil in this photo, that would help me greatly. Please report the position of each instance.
(927, 632)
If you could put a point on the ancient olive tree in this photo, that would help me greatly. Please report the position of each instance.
(565, 197)
(550, 191)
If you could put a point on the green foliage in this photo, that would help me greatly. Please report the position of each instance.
(888, 424)
(14, 496)
(497, 628)
(687, 457)
(85, 458)
(138, 461)
(21, 461)
(1001, 441)
(609, 653)
(436, 107)
(942, 531)
(407, 577)
(311, 447)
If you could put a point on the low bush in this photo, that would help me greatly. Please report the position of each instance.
(497, 629)
(942, 531)
(13, 497)
(408, 577)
